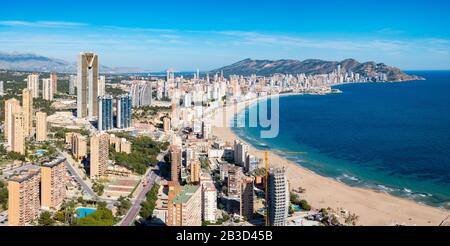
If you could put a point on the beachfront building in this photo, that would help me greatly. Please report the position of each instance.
(240, 152)
(247, 197)
(278, 197)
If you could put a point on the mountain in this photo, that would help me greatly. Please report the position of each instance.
(37, 63)
(312, 67)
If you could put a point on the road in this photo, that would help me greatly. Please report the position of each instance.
(71, 166)
(150, 178)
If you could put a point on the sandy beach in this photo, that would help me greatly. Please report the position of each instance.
(373, 208)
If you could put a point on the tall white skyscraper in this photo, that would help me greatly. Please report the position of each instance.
(87, 86)
(72, 83)
(47, 89)
(33, 84)
(101, 86)
(2, 92)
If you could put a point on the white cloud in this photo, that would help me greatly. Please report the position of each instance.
(43, 24)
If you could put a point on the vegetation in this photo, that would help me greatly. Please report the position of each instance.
(3, 196)
(114, 91)
(102, 217)
(98, 188)
(148, 111)
(123, 204)
(46, 219)
(302, 203)
(144, 153)
(60, 132)
(150, 203)
(43, 106)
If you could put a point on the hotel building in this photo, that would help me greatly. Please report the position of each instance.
(278, 197)
(87, 86)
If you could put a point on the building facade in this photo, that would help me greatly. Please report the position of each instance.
(105, 113)
(124, 111)
(247, 198)
(99, 155)
(278, 197)
(27, 105)
(23, 198)
(41, 126)
(47, 89)
(33, 84)
(87, 85)
(184, 206)
(53, 184)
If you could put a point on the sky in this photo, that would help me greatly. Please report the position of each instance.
(207, 34)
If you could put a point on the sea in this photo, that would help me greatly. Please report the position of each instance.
(389, 137)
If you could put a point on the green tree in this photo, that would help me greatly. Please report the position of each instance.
(46, 219)
(150, 203)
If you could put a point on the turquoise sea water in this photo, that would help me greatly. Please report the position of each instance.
(391, 137)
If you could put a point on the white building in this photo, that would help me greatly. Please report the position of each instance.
(47, 89)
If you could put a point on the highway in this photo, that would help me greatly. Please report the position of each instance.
(150, 178)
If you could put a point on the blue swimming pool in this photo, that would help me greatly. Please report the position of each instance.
(83, 212)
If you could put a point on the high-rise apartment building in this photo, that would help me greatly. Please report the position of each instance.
(184, 206)
(105, 113)
(53, 183)
(124, 111)
(209, 202)
(23, 197)
(175, 163)
(101, 86)
(278, 197)
(18, 134)
(87, 86)
(195, 167)
(27, 106)
(99, 155)
(72, 83)
(79, 146)
(33, 84)
(240, 152)
(141, 93)
(12, 106)
(2, 88)
(41, 126)
(54, 79)
(234, 180)
(247, 197)
(47, 89)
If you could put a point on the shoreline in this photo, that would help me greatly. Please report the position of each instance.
(374, 208)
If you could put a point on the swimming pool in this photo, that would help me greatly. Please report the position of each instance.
(83, 212)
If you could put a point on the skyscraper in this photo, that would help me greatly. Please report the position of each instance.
(278, 197)
(18, 134)
(53, 183)
(105, 113)
(41, 126)
(2, 92)
(87, 86)
(23, 197)
(33, 84)
(12, 106)
(246, 206)
(175, 163)
(101, 86)
(124, 111)
(240, 152)
(47, 89)
(99, 155)
(54, 79)
(141, 93)
(195, 168)
(27, 104)
(72, 83)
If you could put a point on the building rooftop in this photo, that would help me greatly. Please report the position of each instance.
(25, 175)
(54, 162)
(185, 194)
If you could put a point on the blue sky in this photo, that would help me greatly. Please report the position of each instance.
(187, 35)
